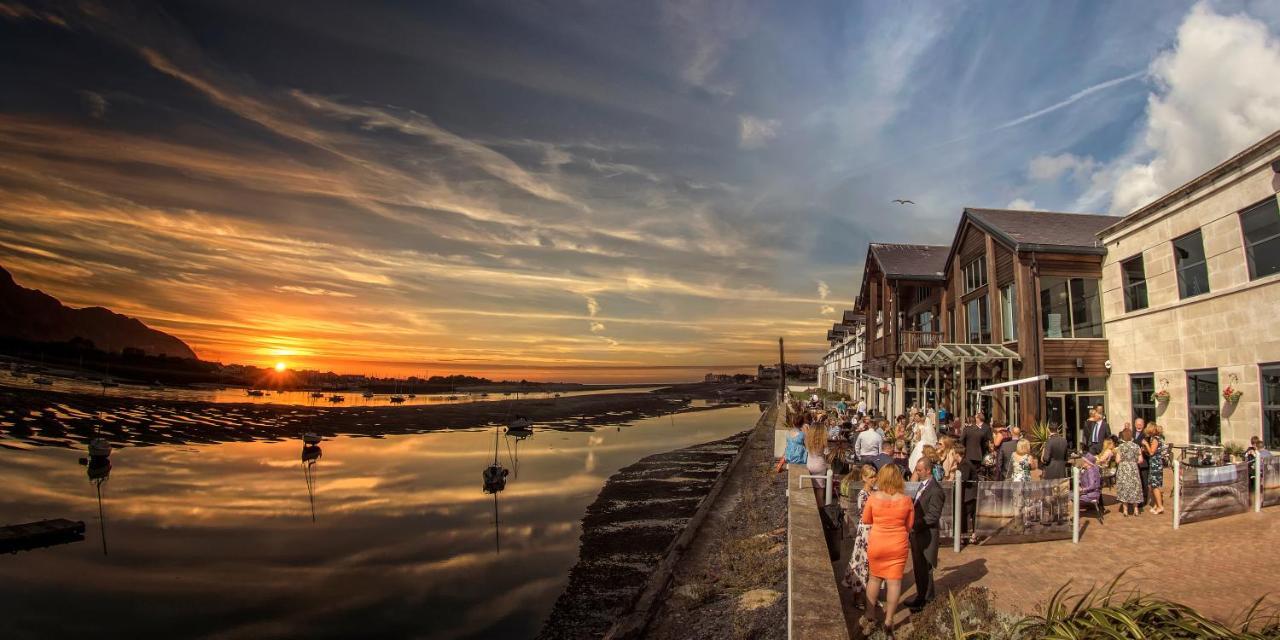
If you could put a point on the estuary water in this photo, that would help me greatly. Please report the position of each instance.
(380, 537)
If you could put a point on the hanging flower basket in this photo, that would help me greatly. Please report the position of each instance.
(1230, 394)
(1160, 396)
(884, 390)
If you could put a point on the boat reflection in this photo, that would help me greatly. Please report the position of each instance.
(310, 456)
(98, 469)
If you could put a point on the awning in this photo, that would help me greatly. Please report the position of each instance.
(952, 354)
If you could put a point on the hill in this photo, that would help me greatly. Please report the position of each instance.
(31, 314)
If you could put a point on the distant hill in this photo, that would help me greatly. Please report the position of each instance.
(30, 314)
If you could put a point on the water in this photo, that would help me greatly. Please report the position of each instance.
(296, 398)
(218, 540)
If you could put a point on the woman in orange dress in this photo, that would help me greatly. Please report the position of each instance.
(891, 514)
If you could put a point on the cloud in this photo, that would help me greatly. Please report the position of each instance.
(94, 103)
(1068, 101)
(1217, 93)
(827, 310)
(823, 290)
(1046, 168)
(754, 132)
(312, 291)
(1021, 204)
(597, 327)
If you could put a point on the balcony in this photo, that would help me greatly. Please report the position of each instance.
(909, 341)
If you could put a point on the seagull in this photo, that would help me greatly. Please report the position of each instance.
(904, 202)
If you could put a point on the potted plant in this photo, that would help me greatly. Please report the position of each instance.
(884, 390)
(1231, 394)
(1160, 396)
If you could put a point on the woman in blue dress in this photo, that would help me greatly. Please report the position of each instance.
(796, 453)
(1155, 451)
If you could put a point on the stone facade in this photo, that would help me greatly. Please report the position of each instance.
(1233, 328)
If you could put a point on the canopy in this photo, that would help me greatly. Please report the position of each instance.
(951, 354)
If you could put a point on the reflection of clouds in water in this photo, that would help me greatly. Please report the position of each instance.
(591, 462)
(403, 532)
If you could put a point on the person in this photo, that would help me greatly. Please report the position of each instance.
(842, 407)
(891, 515)
(949, 458)
(815, 444)
(900, 428)
(930, 454)
(925, 436)
(1005, 453)
(862, 406)
(868, 442)
(1054, 454)
(1155, 451)
(795, 452)
(1128, 486)
(1106, 461)
(882, 457)
(1022, 463)
(1090, 479)
(857, 575)
(1140, 439)
(833, 428)
(943, 414)
(1099, 430)
(925, 533)
(977, 442)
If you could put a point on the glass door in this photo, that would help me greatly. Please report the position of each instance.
(1083, 402)
(1055, 409)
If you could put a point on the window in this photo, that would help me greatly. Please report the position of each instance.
(979, 321)
(974, 274)
(1261, 226)
(1008, 314)
(1135, 283)
(1203, 415)
(1070, 307)
(1270, 405)
(1141, 387)
(925, 321)
(1193, 271)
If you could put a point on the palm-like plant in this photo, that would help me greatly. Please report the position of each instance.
(1037, 434)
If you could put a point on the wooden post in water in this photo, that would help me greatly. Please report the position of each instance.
(782, 370)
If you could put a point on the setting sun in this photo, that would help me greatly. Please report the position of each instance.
(280, 366)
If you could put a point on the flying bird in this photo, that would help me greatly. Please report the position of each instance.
(904, 202)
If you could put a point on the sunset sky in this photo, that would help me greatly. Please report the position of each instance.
(574, 190)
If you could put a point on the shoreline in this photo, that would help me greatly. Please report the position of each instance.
(53, 418)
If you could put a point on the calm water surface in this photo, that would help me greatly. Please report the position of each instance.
(219, 541)
(295, 398)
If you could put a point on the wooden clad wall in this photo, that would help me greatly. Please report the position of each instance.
(1004, 265)
(1060, 358)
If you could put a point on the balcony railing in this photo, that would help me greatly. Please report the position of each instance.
(909, 341)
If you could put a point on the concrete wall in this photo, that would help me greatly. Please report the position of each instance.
(1233, 328)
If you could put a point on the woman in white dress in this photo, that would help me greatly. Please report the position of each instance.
(924, 434)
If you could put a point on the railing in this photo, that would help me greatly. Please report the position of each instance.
(909, 341)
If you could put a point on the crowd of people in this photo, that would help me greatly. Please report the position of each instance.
(874, 457)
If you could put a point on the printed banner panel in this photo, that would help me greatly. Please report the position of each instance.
(1032, 511)
(1270, 481)
(1213, 492)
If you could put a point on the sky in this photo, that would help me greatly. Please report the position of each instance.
(589, 191)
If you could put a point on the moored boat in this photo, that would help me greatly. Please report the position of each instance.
(43, 381)
(337, 398)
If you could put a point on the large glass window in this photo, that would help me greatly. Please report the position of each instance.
(1261, 225)
(1135, 283)
(1204, 415)
(1008, 314)
(925, 321)
(1141, 388)
(1070, 307)
(1271, 405)
(974, 274)
(1193, 271)
(979, 320)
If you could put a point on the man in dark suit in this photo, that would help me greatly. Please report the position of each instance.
(1099, 430)
(1007, 449)
(976, 441)
(925, 533)
(1144, 465)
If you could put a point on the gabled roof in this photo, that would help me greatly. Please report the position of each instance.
(910, 261)
(1043, 230)
(851, 317)
(1048, 231)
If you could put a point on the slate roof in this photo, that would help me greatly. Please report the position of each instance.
(1044, 230)
(914, 261)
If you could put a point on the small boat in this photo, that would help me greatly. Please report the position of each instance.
(43, 380)
(495, 478)
(18, 373)
(520, 428)
(412, 396)
(337, 398)
(556, 395)
(397, 399)
(108, 382)
(156, 386)
(451, 398)
(257, 393)
(99, 448)
(367, 394)
(311, 438)
(317, 394)
(484, 395)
